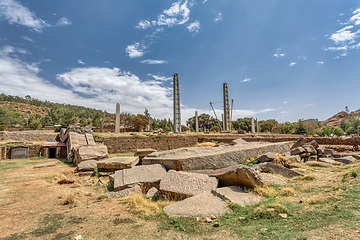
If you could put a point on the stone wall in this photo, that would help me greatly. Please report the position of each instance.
(28, 137)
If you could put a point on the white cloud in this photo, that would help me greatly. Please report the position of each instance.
(285, 102)
(27, 38)
(292, 64)
(105, 86)
(81, 62)
(279, 54)
(177, 14)
(194, 27)
(135, 50)
(344, 35)
(320, 62)
(151, 61)
(15, 13)
(218, 17)
(246, 80)
(63, 22)
(356, 17)
(205, 1)
(160, 78)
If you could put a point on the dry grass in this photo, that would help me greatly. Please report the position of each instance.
(69, 199)
(271, 210)
(268, 192)
(315, 199)
(287, 192)
(317, 164)
(307, 177)
(281, 160)
(143, 206)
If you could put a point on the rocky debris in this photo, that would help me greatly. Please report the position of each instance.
(181, 185)
(329, 152)
(317, 163)
(88, 173)
(238, 141)
(328, 161)
(193, 158)
(313, 158)
(346, 159)
(216, 224)
(117, 163)
(141, 153)
(90, 152)
(238, 175)
(313, 143)
(147, 176)
(153, 192)
(294, 165)
(271, 179)
(85, 166)
(202, 205)
(297, 150)
(125, 192)
(237, 195)
(301, 141)
(357, 157)
(310, 149)
(269, 167)
(66, 181)
(99, 183)
(320, 150)
(45, 165)
(267, 157)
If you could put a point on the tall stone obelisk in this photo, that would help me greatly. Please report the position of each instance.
(226, 120)
(176, 96)
(196, 122)
(117, 119)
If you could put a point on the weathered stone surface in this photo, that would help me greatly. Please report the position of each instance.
(328, 160)
(180, 185)
(117, 163)
(313, 158)
(66, 181)
(146, 176)
(313, 143)
(85, 166)
(153, 192)
(320, 150)
(125, 192)
(317, 163)
(305, 154)
(329, 151)
(301, 141)
(294, 165)
(91, 152)
(45, 165)
(238, 175)
(271, 179)
(236, 194)
(297, 150)
(212, 158)
(267, 157)
(310, 149)
(143, 152)
(277, 169)
(202, 205)
(346, 160)
(295, 157)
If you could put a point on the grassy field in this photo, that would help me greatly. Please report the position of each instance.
(322, 205)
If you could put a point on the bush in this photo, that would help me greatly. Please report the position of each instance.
(215, 129)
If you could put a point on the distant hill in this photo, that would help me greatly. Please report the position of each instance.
(335, 120)
(24, 109)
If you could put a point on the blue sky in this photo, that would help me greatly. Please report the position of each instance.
(282, 60)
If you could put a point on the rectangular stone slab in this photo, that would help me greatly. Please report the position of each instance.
(193, 158)
(117, 163)
(181, 185)
(145, 176)
(237, 195)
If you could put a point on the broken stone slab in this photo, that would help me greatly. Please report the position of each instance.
(357, 157)
(125, 192)
(106, 174)
(66, 181)
(193, 158)
(45, 165)
(330, 152)
(202, 205)
(238, 141)
(309, 149)
(294, 165)
(267, 157)
(91, 152)
(297, 158)
(313, 143)
(313, 158)
(89, 173)
(147, 176)
(346, 160)
(269, 167)
(153, 192)
(297, 150)
(143, 152)
(181, 185)
(85, 166)
(117, 163)
(321, 151)
(271, 179)
(301, 141)
(237, 195)
(304, 155)
(328, 160)
(238, 175)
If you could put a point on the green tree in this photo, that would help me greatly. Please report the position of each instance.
(301, 128)
(268, 125)
(242, 124)
(286, 128)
